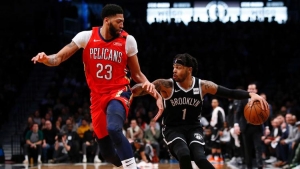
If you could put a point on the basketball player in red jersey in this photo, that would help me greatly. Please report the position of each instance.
(108, 50)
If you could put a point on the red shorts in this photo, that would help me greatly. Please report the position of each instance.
(99, 104)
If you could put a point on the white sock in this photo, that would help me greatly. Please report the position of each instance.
(84, 156)
(26, 157)
(129, 163)
(194, 165)
(96, 157)
(39, 157)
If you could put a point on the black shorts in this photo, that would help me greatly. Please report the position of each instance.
(190, 134)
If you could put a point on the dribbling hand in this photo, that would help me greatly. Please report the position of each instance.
(255, 97)
(40, 57)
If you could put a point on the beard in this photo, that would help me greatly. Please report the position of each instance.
(113, 31)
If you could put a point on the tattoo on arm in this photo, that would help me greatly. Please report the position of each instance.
(159, 83)
(62, 55)
(67, 55)
(208, 85)
(52, 60)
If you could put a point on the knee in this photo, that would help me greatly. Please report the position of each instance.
(181, 151)
(115, 132)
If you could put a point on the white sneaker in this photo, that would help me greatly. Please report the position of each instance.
(271, 160)
(97, 160)
(141, 164)
(232, 161)
(25, 162)
(39, 162)
(84, 160)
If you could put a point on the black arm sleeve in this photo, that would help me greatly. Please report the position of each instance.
(232, 93)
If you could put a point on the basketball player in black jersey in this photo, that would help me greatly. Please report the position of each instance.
(183, 97)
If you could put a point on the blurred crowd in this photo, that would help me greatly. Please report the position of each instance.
(230, 54)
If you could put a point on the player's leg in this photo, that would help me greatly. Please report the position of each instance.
(198, 155)
(108, 151)
(115, 118)
(196, 146)
(182, 153)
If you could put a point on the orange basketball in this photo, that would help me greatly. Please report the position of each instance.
(256, 115)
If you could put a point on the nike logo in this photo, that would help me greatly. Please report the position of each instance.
(129, 164)
(127, 161)
(177, 90)
(97, 40)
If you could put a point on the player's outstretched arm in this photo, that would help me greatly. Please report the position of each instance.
(212, 88)
(55, 59)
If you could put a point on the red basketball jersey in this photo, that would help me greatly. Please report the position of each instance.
(105, 63)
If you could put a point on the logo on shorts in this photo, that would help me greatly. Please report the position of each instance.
(198, 136)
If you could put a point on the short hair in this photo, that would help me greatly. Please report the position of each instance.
(187, 60)
(111, 10)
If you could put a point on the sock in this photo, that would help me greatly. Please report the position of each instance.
(129, 163)
(39, 157)
(194, 165)
(26, 157)
(84, 156)
(96, 157)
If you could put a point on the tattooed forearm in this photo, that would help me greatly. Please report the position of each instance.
(162, 83)
(68, 53)
(52, 61)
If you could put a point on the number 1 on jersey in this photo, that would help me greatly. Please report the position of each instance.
(184, 113)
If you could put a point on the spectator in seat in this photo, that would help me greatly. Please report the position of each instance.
(73, 141)
(49, 139)
(61, 149)
(152, 134)
(134, 131)
(34, 140)
(83, 128)
(90, 144)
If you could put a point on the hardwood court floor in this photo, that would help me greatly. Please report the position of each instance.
(89, 166)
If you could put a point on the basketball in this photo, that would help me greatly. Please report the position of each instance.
(256, 115)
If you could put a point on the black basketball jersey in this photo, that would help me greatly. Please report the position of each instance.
(183, 106)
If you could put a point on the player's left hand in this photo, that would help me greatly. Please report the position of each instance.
(255, 97)
(149, 87)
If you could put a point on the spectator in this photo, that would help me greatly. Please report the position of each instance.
(37, 118)
(34, 140)
(134, 131)
(73, 141)
(61, 149)
(83, 128)
(152, 135)
(49, 139)
(90, 144)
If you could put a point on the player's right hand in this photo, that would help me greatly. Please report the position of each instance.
(160, 107)
(40, 57)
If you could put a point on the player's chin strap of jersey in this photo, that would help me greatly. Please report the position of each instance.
(232, 93)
